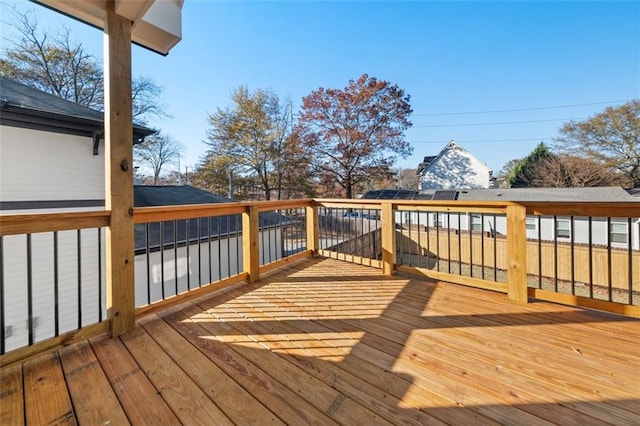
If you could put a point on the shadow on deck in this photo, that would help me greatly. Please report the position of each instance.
(326, 342)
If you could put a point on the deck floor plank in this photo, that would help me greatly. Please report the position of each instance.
(47, 401)
(137, 395)
(240, 406)
(11, 396)
(375, 372)
(82, 371)
(267, 334)
(289, 406)
(325, 342)
(189, 403)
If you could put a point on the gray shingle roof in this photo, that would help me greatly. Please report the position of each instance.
(601, 194)
(26, 106)
(149, 196)
(191, 229)
(597, 194)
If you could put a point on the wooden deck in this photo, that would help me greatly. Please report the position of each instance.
(326, 342)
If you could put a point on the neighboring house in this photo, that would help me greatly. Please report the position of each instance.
(545, 228)
(51, 152)
(207, 249)
(453, 168)
(52, 160)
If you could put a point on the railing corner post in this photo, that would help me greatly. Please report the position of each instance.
(388, 238)
(517, 254)
(312, 228)
(250, 243)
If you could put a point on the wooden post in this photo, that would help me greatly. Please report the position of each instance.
(250, 240)
(118, 171)
(312, 229)
(517, 253)
(388, 238)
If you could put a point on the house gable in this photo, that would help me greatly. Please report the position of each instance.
(454, 168)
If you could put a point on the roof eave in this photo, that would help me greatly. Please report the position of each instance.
(21, 116)
(155, 24)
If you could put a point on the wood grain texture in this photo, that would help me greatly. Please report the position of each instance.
(82, 371)
(11, 396)
(232, 399)
(46, 398)
(65, 339)
(323, 341)
(139, 399)
(119, 171)
(313, 229)
(388, 239)
(35, 222)
(250, 243)
(517, 249)
(189, 403)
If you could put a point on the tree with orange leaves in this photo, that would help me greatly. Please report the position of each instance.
(354, 134)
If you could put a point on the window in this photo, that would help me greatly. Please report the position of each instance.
(476, 223)
(437, 220)
(563, 228)
(532, 223)
(407, 217)
(619, 232)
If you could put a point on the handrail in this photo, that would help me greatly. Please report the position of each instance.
(32, 223)
(187, 211)
(519, 258)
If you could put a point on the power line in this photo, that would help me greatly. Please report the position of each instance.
(518, 109)
(497, 123)
(484, 140)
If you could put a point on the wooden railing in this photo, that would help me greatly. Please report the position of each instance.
(185, 251)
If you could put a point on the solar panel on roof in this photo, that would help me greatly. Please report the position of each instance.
(445, 195)
(422, 196)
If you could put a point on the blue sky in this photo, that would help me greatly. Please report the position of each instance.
(458, 60)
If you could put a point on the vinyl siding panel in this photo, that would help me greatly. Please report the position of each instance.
(37, 165)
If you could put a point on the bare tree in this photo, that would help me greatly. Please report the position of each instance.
(611, 138)
(408, 179)
(569, 171)
(54, 63)
(254, 136)
(156, 152)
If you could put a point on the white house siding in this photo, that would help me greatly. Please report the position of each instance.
(37, 165)
(192, 270)
(92, 276)
(42, 282)
(225, 259)
(599, 234)
(456, 168)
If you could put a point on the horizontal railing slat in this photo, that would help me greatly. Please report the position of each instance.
(167, 213)
(49, 222)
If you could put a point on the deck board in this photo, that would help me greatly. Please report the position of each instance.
(327, 342)
(11, 396)
(47, 401)
(138, 397)
(82, 371)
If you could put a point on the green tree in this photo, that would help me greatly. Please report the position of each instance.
(611, 138)
(352, 134)
(523, 173)
(54, 63)
(254, 135)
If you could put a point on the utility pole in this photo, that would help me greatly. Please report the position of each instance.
(230, 183)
